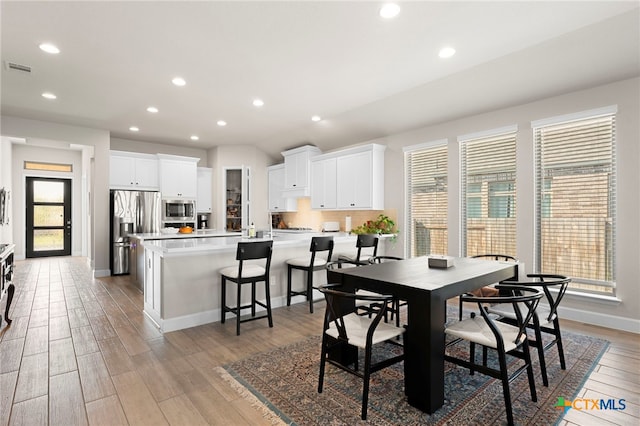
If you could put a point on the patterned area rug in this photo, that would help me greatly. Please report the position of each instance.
(283, 382)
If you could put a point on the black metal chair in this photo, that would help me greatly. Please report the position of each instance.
(309, 265)
(344, 327)
(485, 330)
(487, 290)
(545, 318)
(397, 303)
(363, 241)
(248, 273)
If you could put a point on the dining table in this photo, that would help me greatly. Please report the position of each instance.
(426, 290)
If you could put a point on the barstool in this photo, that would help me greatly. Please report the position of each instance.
(248, 273)
(363, 241)
(309, 265)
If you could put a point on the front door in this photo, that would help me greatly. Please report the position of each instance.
(48, 217)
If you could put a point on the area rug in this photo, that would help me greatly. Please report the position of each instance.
(283, 383)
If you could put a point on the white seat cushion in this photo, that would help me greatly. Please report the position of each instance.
(248, 271)
(305, 261)
(357, 327)
(476, 330)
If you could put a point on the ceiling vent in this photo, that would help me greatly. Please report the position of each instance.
(12, 66)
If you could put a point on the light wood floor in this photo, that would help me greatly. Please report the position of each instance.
(80, 351)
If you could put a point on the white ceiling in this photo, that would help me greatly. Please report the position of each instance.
(367, 77)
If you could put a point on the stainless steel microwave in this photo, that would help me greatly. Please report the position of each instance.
(178, 210)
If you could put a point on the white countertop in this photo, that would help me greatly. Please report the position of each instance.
(200, 233)
(203, 244)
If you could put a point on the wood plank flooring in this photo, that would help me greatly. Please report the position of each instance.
(80, 351)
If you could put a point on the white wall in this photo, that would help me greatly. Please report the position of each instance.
(626, 312)
(62, 135)
(22, 153)
(6, 231)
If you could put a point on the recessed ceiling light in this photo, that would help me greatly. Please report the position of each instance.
(389, 10)
(316, 118)
(447, 52)
(49, 48)
(194, 138)
(221, 123)
(258, 102)
(152, 109)
(49, 95)
(178, 81)
(134, 129)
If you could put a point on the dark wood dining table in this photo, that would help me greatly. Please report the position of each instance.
(426, 291)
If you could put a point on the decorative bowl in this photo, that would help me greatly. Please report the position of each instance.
(169, 230)
(185, 230)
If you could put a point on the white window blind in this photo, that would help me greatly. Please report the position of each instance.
(576, 201)
(427, 197)
(488, 189)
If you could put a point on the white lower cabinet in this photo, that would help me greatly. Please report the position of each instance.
(152, 286)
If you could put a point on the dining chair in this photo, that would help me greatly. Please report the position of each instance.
(309, 264)
(394, 309)
(486, 290)
(485, 330)
(344, 327)
(545, 318)
(364, 241)
(248, 273)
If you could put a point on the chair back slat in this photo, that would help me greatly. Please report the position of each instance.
(366, 241)
(546, 282)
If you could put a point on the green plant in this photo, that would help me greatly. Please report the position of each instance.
(382, 225)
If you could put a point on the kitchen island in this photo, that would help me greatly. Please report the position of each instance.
(182, 278)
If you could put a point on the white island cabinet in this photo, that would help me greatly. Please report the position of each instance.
(185, 275)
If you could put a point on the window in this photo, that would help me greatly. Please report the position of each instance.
(488, 189)
(426, 170)
(576, 199)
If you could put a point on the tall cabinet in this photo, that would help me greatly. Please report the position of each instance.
(237, 198)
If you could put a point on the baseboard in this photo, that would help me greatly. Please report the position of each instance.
(97, 273)
(603, 320)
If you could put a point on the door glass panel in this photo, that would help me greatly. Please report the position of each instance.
(48, 239)
(48, 215)
(48, 192)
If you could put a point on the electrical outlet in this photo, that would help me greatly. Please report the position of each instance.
(272, 280)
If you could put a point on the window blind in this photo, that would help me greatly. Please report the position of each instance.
(576, 201)
(488, 189)
(427, 198)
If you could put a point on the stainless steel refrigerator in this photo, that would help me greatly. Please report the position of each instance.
(132, 212)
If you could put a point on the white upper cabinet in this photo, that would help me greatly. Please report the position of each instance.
(323, 183)
(277, 201)
(349, 179)
(203, 201)
(296, 170)
(178, 176)
(128, 170)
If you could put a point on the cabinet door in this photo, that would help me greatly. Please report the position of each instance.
(355, 181)
(324, 184)
(292, 164)
(121, 172)
(203, 202)
(148, 279)
(277, 201)
(146, 173)
(178, 179)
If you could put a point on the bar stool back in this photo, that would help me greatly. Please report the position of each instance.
(248, 273)
(309, 265)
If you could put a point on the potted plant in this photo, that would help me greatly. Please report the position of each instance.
(383, 224)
